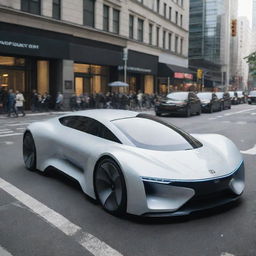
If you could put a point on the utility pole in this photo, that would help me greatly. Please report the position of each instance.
(125, 58)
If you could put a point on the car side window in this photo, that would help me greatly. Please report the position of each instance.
(90, 126)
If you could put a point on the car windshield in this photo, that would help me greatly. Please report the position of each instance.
(158, 135)
(205, 96)
(219, 94)
(177, 96)
(252, 93)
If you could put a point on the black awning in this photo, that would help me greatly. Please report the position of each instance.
(167, 70)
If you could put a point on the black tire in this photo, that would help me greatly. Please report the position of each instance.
(211, 109)
(29, 151)
(249, 103)
(158, 114)
(109, 187)
(188, 112)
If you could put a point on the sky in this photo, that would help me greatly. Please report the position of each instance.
(245, 8)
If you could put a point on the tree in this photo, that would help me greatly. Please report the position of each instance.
(251, 60)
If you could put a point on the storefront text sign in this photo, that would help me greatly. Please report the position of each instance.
(19, 45)
(183, 75)
(135, 69)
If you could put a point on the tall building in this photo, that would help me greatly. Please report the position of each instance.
(77, 46)
(209, 40)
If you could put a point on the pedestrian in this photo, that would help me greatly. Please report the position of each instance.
(1, 100)
(140, 99)
(20, 103)
(72, 102)
(59, 101)
(34, 101)
(11, 100)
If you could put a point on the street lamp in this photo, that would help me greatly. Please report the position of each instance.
(125, 58)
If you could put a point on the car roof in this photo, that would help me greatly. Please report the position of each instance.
(105, 115)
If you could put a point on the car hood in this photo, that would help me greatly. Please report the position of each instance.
(217, 157)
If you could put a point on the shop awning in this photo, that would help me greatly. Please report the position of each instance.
(168, 70)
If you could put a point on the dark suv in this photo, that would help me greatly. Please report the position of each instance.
(225, 99)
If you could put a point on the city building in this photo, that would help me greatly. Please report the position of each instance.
(78, 46)
(241, 49)
(209, 41)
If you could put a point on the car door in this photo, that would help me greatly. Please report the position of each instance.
(192, 102)
(215, 102)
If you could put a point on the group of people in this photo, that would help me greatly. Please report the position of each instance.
(11, 103)
(132, 101)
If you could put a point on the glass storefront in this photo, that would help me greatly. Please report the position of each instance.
(42, 76)
(91, 78)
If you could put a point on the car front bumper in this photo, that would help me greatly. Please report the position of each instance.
(172, 109)
(182, 198)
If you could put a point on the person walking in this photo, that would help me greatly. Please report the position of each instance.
(140, 99)
(34, 101)
(11, 100)
(59, 101)
(20, 103)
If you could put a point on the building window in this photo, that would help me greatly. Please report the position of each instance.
(140, 30)
(176, 43)
(158, 6)
(105, 17)
(88, 11)
(150, 34)
(170, 42)
(56, 4)
(116, 18)
(181, 46)
(176, 17)
(157, 36)
(181, 20)
(31, 6)
(164, 39)
(131, 26)
(165, 10)
(170, 13)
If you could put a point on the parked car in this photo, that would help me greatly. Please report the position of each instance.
(252, 97)
(185, 103)
(234, 97)
(225, 99)
(209, 102)
(241, 97)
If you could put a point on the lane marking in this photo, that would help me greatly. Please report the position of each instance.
(251, 151)
(238, 112)
(226, 254)
(3, 252)
(19, 124)
(212, 118)
(241, 122)
(87, 240)
(10, 134)
(10, 131)
(3, 130)
(253, 114)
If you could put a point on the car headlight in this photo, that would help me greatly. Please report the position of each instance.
(156, 180)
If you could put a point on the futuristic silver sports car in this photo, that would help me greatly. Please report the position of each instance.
(136, 163)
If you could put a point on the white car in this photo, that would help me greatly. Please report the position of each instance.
(136, 163)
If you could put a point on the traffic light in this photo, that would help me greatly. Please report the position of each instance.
(234, 28)
(199, 73)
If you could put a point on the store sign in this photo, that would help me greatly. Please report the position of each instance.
(183, 76)
(19, 45)
(135, 69)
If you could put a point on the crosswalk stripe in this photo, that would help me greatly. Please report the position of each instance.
(10, 134)
(6, 132)
(91, 243)
(3, 252)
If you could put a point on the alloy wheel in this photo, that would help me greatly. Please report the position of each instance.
(29, 152)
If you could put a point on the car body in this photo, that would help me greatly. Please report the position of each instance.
(136, 163)
(225, 99)
(241, 97)
(185, 103)
(252, 97)
(209, 102)
(234, 97)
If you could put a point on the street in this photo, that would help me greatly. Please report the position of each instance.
(26, 230)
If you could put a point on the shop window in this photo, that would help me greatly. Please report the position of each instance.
(116, 17)
(11, 61)
(105, 17)
(12, 79)
(56, 7)
(42, 76)
(149, 84)
(31, 6)
(88, 12)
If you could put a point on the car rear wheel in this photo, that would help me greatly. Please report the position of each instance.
(158, 114)
(211, 109)
(188, 112)
(109, 186)
(29, 152)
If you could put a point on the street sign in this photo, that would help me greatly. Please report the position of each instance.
(125, 54)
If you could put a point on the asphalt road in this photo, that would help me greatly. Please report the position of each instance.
(226, 231)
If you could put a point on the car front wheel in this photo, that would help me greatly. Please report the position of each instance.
(29, 152)
(109, 186)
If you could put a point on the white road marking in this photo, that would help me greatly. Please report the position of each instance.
(238, 112)
(241, 122)
(212, 118)
(251, 151)
(3, 252)
(226, 122)
(87, 240)
(10, 131)
(10, 134)
(9, 142)
(253, 114)
(19, 124)
(21, 128)
(219, 116)
(3, 130)
(226, 254)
